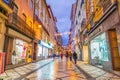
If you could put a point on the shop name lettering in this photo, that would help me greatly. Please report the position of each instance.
(96, 32)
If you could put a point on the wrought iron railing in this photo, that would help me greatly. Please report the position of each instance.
(106, 4)
(20, 25)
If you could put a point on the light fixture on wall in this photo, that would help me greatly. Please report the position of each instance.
(40, 26)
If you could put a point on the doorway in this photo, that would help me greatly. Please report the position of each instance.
(114, 49)
(35, 51)
(9, 51)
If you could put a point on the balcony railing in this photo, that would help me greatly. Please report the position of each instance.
(20, 25)
(106, 4)
(83, 25)
(98, 15)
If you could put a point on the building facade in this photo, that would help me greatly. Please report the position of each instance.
(80, 22)
(103, 33)
(43, 16)
(4, 11)
(19, 33)
(72, 29)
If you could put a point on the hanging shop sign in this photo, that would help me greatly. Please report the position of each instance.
(45, 44)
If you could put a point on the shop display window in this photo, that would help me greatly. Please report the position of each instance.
(118, 38)
(23, 52)
(99, 48)
(39, 51)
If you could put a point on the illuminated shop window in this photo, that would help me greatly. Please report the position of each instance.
(99, 48)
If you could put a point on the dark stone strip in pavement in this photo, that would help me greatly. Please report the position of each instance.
(89, 77)
(23, 76)
(107, 71)
(17, 72)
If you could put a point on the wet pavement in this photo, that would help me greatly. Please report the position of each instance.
(19, 72)
(58, 70)
(97, 73)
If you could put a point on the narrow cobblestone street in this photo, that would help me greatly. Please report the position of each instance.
(58, 70)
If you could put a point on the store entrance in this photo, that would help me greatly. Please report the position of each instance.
(9, 51)
(114, 49)
(85, 53)
(35, 51)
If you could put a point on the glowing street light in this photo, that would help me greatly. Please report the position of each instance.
(40, 26)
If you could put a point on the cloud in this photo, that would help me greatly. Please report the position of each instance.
(62, 9)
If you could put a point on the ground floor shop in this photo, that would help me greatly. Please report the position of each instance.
(99, 50)
(18, 48)
(104, 43)
(44, 50)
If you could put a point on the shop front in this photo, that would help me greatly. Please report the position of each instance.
(22, 52)
(44, 49)
(18, 48)
(99, 50)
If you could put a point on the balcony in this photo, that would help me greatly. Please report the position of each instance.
(98, 14)
(39, 21)
(83, 25)
(105, 4)
(16, 23)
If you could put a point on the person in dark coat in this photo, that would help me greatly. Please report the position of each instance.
(75, 57)
(66, 55)
(70, 55)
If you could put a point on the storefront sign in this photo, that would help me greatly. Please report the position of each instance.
(96, 32)
(45, 44)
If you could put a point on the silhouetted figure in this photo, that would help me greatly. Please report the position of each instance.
(70, 55)
(66, 55)
(54, 56)
(61, 56)
(75, 57)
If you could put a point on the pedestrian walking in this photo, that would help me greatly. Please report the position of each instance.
(66, 55)
(70, 55)
(61, 56)
(75, 57)
(54, 55)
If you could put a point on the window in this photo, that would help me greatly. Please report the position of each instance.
(82, 2)
(1, 25)
(15, 9)
(79, 13)
(31, 4)
(24, 17)
(30, 24)
(26, 0)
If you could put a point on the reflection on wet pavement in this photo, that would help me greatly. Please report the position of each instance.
(57, 70)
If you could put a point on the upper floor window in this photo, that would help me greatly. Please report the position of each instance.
(15, 9)
(82, 2)
(24, 17)
(26, 0)
(30, 23)
(79, 13)
(31, 4)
